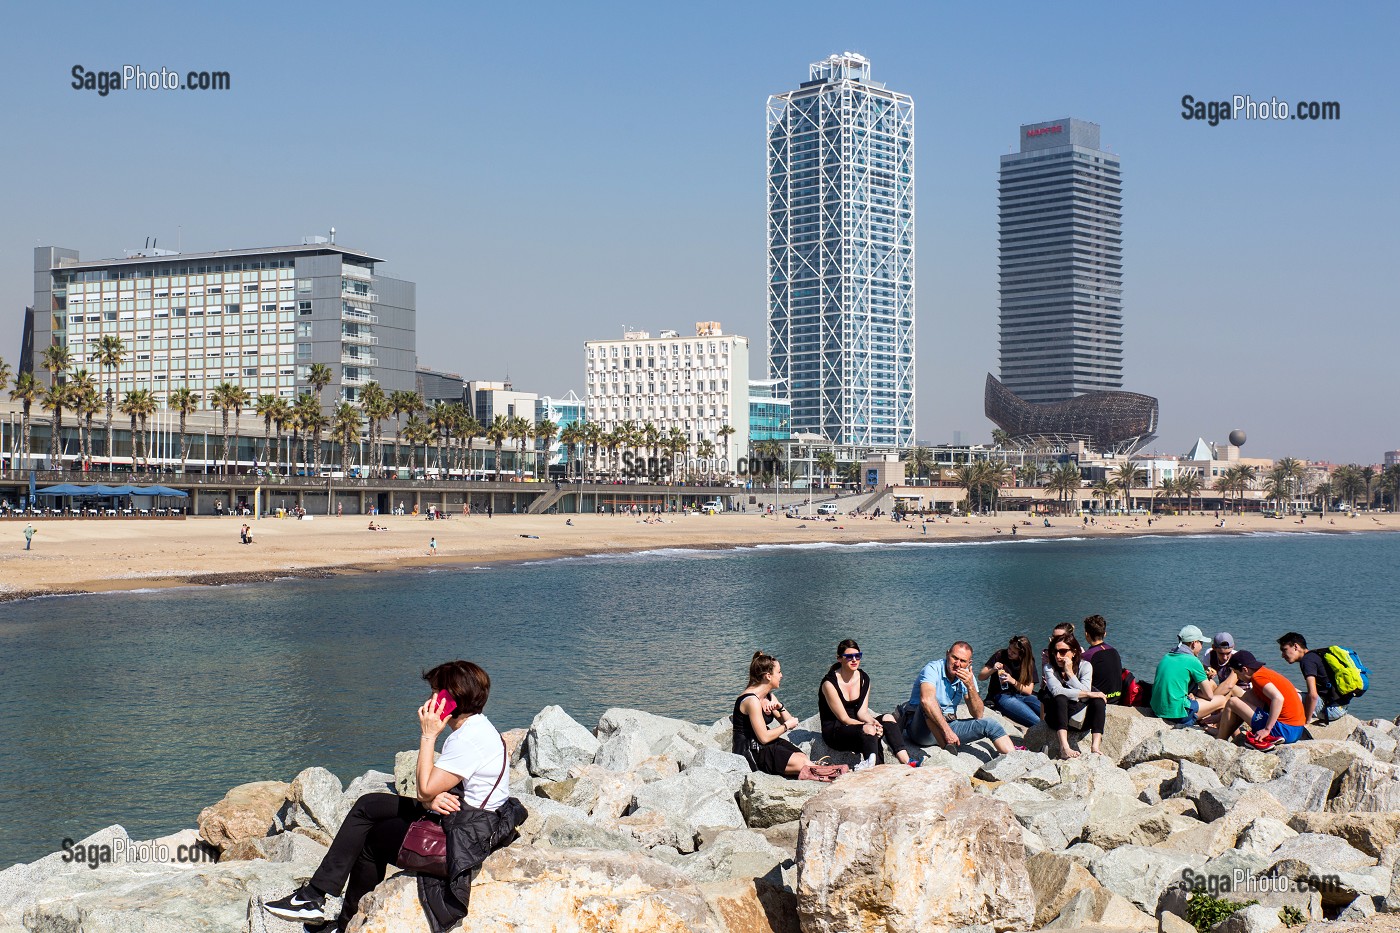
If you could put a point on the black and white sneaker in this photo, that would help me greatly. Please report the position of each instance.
(305, 904)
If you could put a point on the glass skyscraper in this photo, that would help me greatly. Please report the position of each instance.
(1061, 222)
(841, 254)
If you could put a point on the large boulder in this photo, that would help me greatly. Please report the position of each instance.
(1091, 777)
(768, 800)
(699, 797)
(1116, 821)
(556, 743)
(1368, 786)
(623, 752)
(406, 772)
(1379, 742)
(751, 905)
(1102, 910)
(1185, 745)
(1141, 875)
(316, 801)
(1241, 807)
(1327, 853)
(1190, 780)
(652, 828)
(739, 853)
(1055, 879)
(1058, 823)
(577, 890)
(716, 760)
(1263, 835)
(1255, 918)
(1303, 787)
(1152, 780)
(1371, 833)
(245, 812)
(371, 782)
(1033, 768)
(655, 731)
(601, 792)
(901, 849)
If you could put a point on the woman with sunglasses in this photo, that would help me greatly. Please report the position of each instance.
(1069, 684)
(1011, 682)
(755, 738)
(844, 704)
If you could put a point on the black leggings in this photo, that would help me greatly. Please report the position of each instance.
(1060, 708)
(364, 846)
(847, 738)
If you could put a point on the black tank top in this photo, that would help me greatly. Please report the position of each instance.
(852, 706)
(743, 729)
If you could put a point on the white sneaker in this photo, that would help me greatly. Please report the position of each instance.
(865, 764)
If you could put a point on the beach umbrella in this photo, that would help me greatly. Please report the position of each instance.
(62, 489)
(120, 490)
(163, 491)
(101, 489)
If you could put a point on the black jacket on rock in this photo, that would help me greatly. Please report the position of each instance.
(472, 835)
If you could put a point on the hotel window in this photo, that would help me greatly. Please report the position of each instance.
(304, 307)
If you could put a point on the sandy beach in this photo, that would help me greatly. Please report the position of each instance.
(101, 555)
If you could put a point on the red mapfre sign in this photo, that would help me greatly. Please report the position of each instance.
(1041, 131)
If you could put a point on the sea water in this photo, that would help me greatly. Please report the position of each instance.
(141, 709)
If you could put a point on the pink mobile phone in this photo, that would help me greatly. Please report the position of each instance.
(451, 704)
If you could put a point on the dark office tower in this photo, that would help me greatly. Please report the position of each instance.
(1061, 219)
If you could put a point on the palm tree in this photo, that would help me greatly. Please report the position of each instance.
(1166, 490)
(1104, 490)
(826, 462)
(1065, 480)
(318, 377)
(1242, 477)
(148, 404)
(417, 432)
(546, 431)
(439, 418)
(82, 397)
(282, 415)
(1279, 488)
(345, 428)
(1225, 485)
(266, 408)
(497, 432)
(593, 439)
(4, 374)
(705, 450)
(521, 429)
(55, 398)
(1390, 483)
(1347, 482)
(652, 438)
(110, 351)
(27, 390)
(1125, 477)
(374, 401)
(920, 460)
(185, 401)
(314, 421)
(130, 406)
(1368, 476)
(1188, 485)
(402, 402)
(305, 410)
(1028, 474)
(571, 436)
(222, 399)
(1001, 439)
(725, 432)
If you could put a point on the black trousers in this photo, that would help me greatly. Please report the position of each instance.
(847, 738)
(1060, 708)
(364, 847)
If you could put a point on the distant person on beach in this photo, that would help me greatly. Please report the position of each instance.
(1322, 701)
(1069, 680)
(930, 716)
(1010, 676)
(432, 547)
(467, 779)
(29, 533)
(1272, 710)
(1108, 664)
(843, 701)
(756, 739)
(1181, 691)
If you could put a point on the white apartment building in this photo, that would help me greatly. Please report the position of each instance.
(699, 384)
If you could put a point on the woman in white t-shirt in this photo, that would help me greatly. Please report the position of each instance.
(472, 767)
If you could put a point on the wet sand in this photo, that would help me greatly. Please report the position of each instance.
(98, 555)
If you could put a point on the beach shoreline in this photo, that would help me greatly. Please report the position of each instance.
(114, 555)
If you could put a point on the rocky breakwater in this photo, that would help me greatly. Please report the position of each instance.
(645, 823)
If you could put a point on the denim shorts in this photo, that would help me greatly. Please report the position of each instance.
(1289, 734)
(1187, 721)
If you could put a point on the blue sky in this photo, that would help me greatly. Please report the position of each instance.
(549, 172)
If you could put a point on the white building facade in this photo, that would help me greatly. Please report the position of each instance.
(699, 384)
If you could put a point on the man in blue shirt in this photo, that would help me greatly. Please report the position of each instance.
(930, 717)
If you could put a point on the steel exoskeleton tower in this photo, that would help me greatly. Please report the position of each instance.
(841, 254)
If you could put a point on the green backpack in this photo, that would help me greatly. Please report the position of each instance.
(1350, 677)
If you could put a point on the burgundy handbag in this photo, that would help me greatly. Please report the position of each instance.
(424, 848)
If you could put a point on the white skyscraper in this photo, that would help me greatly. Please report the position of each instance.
(841, 254)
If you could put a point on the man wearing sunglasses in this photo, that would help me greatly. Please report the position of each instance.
(931, 715)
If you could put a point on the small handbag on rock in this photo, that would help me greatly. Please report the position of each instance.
(824, 773)
(424, 849)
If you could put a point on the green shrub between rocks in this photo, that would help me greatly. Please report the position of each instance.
(1292, 917)
(1204, 911)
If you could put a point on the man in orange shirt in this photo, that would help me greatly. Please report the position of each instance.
(1272, 707)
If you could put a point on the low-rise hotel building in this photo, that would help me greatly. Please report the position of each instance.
(258, 318)
(699, 384)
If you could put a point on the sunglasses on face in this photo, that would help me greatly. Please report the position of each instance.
(853, 655)
(1060, 651)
